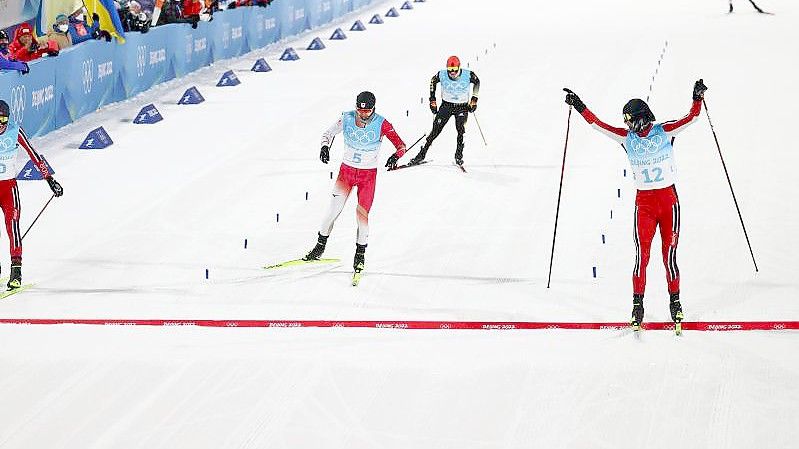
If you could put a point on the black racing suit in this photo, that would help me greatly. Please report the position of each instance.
(445, 111)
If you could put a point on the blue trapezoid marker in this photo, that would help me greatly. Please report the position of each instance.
(148, 115)
(191, 96)
(338, 35)
(376, 19)
(31, 173)
(97, 139)
(358, 26)
(261, 66)
(392, 13)
(289, 55)
(228, 79)
(316, 44)
(406, 5)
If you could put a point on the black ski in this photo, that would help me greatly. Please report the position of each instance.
(400, 167)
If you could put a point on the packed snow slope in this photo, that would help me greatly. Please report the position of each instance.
(141, 222)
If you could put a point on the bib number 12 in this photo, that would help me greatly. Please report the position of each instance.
(657, 171)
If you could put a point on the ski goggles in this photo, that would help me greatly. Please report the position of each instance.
(3, 120)
(364, 111)
(453, 69)
(628, 118)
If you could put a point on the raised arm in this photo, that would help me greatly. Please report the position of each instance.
(617, 134)
(674, 127)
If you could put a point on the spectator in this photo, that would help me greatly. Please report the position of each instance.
(134, 18)
(6, 62)
(80, 31)
(26, 48)
(60, 32)
(196, 10)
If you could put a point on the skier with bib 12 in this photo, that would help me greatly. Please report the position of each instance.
(649, 149)
(12, 137)
(363, 130)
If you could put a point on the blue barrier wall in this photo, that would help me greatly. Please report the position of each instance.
(59, 90)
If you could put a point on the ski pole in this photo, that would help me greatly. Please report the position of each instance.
(37, 217)
(417, 141)
(757, 8)
(479, 128)
(730, 184)
(560, 189)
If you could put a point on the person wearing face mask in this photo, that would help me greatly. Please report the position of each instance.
(6, 61)
(26, 48)
(363, 131)
(60, 32)
(12, 137)
(649, 149)
(455, 100)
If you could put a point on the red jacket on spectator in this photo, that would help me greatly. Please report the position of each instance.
(22, 53)
(192, 7)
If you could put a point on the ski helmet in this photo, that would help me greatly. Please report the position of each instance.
(453, 63)
(365, 100)
(637, 114)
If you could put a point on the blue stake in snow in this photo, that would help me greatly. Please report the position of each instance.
(338, 35)
(603, 239)
(316, 44)
(289, 55)
(406, 5)
(625, 172)
(611, 214)
(358, 26)
(228, 79)
(191, 96)
(277, 218)
(96, 140)
(376, 19)
(618, 193)
(148, 115)
(261, 66)
(306, 196)
(331, 175)
(594, 272)
(206, 273)
(392, 13)
(245, 243)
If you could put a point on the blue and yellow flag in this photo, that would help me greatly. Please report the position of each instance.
(50, 9)
(109, 18)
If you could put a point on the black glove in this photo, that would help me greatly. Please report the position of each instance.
(55, 186)
(95, 17)
(25, 68)
(433, 106)
(473, 104)
(34, 46)
(324, 155)
(391, 163)
(573, 100)
(699, 90)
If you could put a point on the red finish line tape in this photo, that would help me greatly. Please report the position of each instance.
(457, 325)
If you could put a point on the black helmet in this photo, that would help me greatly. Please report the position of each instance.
(637, 114)
(5, 111)
(365, 100)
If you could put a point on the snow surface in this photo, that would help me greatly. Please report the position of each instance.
(141, 221)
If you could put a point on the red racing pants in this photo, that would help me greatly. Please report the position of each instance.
(9, 202)
(349, 177)
(656, 208)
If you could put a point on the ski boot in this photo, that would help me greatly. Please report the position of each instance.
(358, 263)
(676, 312)
(15, 281)
(638, 312)
(416, 160)
(317, 251)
